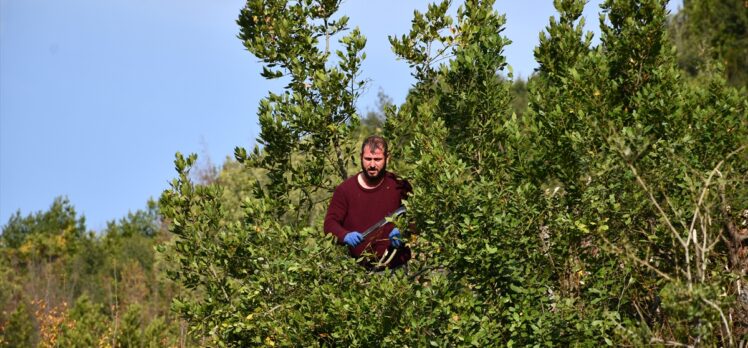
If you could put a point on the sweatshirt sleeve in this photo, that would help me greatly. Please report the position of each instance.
(336, 214)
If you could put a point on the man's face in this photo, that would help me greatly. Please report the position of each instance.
(373, 163)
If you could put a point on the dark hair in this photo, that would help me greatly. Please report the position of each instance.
(375, 142)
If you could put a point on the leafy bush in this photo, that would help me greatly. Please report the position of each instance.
(606, 214)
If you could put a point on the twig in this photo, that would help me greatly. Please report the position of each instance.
(640, 261)
(641, 315)
(625, 286)
(669, 224)
(704, 250)
(669, 343)
(736, 238)
(706, 188)
(226, 294)
(386, 259)
(270, 311)
(657, 205)
(426, 269)
(675, 211)
(724, 319)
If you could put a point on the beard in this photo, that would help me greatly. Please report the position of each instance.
(374, 178)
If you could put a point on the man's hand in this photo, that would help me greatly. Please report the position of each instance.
(395, 241)
(353, 238)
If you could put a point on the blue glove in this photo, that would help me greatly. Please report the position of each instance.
(395, 238)
(353, 238)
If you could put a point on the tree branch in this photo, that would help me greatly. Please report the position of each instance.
(722, 315)
(646, 264)
(656, 204)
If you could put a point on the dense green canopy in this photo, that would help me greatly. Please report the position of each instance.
(602, 201)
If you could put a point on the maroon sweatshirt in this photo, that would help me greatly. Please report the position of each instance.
(354, 208)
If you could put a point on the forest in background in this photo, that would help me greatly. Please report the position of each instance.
(602, 201)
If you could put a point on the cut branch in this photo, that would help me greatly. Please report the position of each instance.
(664, 216)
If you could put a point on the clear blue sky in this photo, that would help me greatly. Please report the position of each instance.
(96, 96)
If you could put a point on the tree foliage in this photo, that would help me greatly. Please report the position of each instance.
(609, 213)
(632, 155)
(64, 286)
(305, 130)
(711, 31)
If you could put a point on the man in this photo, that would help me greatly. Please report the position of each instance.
(363, 200)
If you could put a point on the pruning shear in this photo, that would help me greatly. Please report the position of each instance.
(380, 223)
